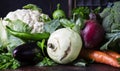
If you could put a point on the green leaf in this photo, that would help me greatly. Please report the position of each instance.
(44, 18)
(19, 25)
(46, 62)
(8, 62)
(52, 26)
(112, 43)
(42, 46)
(7, 41)
(67, 23)
(97, 10)
(82, 12)
(32, 7)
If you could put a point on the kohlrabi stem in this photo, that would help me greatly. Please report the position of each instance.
(58, 6)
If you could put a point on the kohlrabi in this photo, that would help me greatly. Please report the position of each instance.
(64, 45)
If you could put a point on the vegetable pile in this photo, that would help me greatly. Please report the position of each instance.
(30, 37)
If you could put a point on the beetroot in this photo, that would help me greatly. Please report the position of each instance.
(93, 33)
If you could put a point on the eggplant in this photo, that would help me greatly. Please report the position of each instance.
(28, 53)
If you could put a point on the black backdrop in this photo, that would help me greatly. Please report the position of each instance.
(46, 5)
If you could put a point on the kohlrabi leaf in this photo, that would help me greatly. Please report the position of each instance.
(66, 23)
(52, 26)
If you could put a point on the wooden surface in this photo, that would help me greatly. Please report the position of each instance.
(92, 67)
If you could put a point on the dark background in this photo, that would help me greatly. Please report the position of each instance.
(48, 6)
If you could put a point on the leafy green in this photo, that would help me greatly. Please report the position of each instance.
(111, 16)
(19, 25)
(97, 10)
(44, 18)
(113, 42)
(111, 24)
(7, 44)
(105, 12)
(82, 12)
(67, 23)
(42, 46)
(46, 62)
(8, 62)
(52, 25)
(7, 41)
(80, 62)
(32, 7)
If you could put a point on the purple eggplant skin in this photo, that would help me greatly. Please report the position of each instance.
(28, 53)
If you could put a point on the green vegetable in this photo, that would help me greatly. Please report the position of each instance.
(111, 24)
(59, 23)
(82, 12)
(59, 13)
(42, 46)
(7, 41)
(7, 44)
(44, 18)
(52, 25)
(32, 7)
(19, 25)
(8, 62)
(28, 36)
(46, 62)
(67, 23)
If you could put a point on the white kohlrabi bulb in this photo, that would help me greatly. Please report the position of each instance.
(64, 45)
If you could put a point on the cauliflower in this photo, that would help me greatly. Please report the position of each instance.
(35, 19)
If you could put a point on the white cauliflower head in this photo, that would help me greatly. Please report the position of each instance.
(34, 18)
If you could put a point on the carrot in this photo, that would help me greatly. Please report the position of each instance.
(99, 56)
(113, 54)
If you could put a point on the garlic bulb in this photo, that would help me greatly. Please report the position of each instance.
(64, 45)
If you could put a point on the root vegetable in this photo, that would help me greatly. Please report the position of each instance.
(112, 53)
(93, 32)
(64, 45)
(99, 56)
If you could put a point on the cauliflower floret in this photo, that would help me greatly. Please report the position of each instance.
(30, 17)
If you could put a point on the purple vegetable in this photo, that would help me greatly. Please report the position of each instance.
(93, 33)
(27, 53)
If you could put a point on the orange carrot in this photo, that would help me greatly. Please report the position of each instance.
(112, 53)
(99, 56)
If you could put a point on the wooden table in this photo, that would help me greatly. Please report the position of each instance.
(92, 67)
